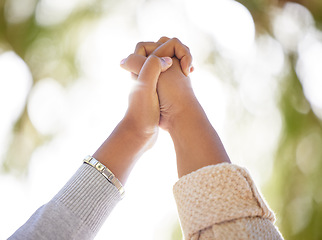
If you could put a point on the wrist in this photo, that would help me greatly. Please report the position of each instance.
(185, 115)
(121, 150)
(196, 142)
(139, 133)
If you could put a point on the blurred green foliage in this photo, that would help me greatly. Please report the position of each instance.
(293, 192)
(49, 51)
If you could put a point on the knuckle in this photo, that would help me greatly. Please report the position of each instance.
(139, 44)
(176, 40)
(163, 38)
(154, 59)
(131, 56)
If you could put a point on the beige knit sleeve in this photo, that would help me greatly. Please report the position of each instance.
(222, 202)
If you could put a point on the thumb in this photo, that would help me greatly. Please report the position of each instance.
(166, 63)
(151, 70)
(134, 63)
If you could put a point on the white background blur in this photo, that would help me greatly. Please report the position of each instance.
(83, 114)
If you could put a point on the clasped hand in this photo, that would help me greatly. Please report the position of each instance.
(163, 97)
(163, 89)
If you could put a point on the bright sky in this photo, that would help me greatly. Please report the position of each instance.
(86, 112)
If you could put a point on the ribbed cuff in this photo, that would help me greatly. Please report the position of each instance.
(89, 196)
(216, 194)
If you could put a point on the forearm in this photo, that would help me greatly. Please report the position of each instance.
(81, 207)
(122, 148)
(76, 212)
(196, 142)
(139, 128)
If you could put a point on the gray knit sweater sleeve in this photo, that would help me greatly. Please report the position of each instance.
(76, 212)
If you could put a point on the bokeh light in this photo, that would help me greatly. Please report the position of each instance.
(46, 106)
(15, 82)
(228, 21)
(257, 75)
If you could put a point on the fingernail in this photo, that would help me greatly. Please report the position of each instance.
(191, 68)
(167, 60)
(123, 61)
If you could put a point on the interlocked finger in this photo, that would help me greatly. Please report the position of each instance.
(164, 47)
(163, 40)
(146, 48)
(174, 47)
